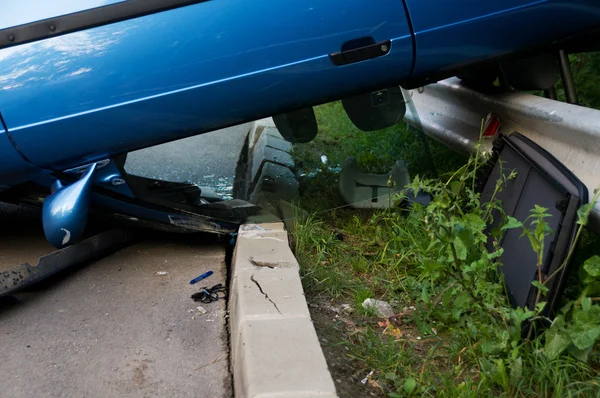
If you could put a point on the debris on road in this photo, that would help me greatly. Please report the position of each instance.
(364, 381)
(200, 311)
(382, 308)
(199, 278)
(206, 295)
(162, 273)
(346, 309)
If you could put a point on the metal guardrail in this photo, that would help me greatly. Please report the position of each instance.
(451, 113)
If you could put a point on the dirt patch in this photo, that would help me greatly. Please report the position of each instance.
(139, 377)
(333, 330)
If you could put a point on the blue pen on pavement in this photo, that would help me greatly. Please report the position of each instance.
(199, 278)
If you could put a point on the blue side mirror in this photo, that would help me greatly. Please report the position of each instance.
(64, 213)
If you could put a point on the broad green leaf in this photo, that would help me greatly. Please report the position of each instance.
(461, 301)
(425, 297)
(447, 298)
(477, 267)
(542, 288)
(495, 254)
(584, 336)
(512, 223)
(592, 265)
(455, 186)
(585, 277)
(535, 244)
(586, 304)
(516, 371)
(523, 314)
(501, 376)
(410, 385)
(431, 266)
(581, 355)
(492, 347)
(593, 289)
(594, 313)
(541, 231)
(537, 209)
(456, 313)
(558, 323)
(527, 315)
(464, 234)
(444, 235)
(461, 249)
(556, 342)
(580, 317)
(539, 307)
(474, 221)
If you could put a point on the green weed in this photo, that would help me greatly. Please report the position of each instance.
(455, 334)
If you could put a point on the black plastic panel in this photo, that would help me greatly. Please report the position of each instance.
(363, 53)
(376, 110)
(541, 180)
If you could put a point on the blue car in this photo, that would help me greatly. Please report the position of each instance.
(82, 83)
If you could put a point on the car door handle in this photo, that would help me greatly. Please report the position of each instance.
(362, 53)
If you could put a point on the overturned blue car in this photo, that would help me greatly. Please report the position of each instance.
(84, 83)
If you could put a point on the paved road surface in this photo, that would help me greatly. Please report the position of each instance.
(205, 160)
(115, 327)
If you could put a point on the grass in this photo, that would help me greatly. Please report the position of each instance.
(349, 255)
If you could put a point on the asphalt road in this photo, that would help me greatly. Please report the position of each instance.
(205, 160)
(124, 325)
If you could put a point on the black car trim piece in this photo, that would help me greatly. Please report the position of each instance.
(413, 37)
(94, 17)
(12, 140)
(362, 53)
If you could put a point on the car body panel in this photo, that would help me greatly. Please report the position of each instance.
(14, 169)
(451, 34)
(165, 76)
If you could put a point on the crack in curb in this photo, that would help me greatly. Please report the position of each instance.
(261, 263)
(265, 294)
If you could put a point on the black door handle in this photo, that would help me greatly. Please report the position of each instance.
(363, 53)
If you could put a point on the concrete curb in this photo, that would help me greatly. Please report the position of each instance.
(275, 351)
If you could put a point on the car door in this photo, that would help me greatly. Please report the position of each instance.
(452, 33)
(122, 86)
